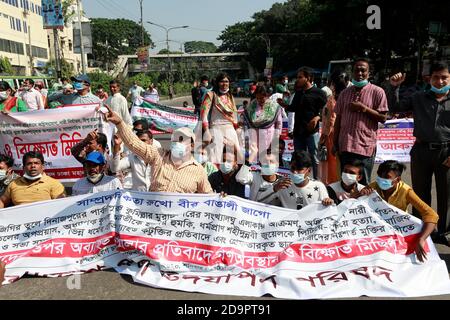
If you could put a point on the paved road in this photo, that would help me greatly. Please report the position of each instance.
(111, 285)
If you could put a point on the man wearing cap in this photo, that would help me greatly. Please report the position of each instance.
(34, 185)
(172, 171)
(95, 180)
(82, 94)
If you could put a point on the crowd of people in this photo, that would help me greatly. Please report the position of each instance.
(328, 165)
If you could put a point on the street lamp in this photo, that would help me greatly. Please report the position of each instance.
(167, 45)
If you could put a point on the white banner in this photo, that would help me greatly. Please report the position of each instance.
(204, 243)
(395, 140)
(52, 132)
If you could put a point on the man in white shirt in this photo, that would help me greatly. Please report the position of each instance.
(299, 190)
(140, 170)
(349, 186)
(118, 102)
(135, 92)
(95, 180)
(32, 97)
(261, 183)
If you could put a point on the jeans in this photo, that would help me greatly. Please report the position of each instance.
(309, 144)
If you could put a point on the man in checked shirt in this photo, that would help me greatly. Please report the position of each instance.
(359, 109)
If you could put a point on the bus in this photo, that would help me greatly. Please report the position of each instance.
(16, 81)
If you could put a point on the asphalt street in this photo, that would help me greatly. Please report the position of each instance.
(105, 285)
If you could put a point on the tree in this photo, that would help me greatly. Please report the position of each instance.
(5, 66)
(199, 47)
(67, 69)
(165, 51)
(114, 37)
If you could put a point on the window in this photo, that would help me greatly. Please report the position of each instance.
(27, 5)
(32, 7)
(19, 25)
(12, 23)
(21, 3)
(25, 27)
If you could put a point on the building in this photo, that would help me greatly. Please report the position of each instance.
(21, 25)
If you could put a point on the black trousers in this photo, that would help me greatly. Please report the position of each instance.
(424, 163)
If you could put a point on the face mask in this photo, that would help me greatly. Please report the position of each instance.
(178, 150)
(26, 88)
(442, 90)
(2, 174)
(78, 86)
(226, 167)
(201, 158)
(384, 184)
(206, 84)
(286, 81)
(3, 95)
(360, 84)
(224, 91)
(348, 179)
(94, 178)
(28, 177)
(297, 178)
(269, 169)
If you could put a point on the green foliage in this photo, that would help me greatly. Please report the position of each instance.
(5, 66)
(199, 47)
(114, 37)
(67, 69)
(165, 51)
(99, 78)
(312, 32)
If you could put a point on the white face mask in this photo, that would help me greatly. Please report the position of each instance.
(349, 179)
(201, 158)
(286, 81)
(224, 91)
(178, 150)
(34, 178)
(94, 178)
(3, 95)
(3, 174)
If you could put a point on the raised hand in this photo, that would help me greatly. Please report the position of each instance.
(111, 116)
(397, 79)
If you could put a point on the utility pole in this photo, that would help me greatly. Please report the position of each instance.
(83, 58)
(57, 59)
(142, 25)
(30, 51)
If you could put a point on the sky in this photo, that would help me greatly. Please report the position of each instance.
(205, 18)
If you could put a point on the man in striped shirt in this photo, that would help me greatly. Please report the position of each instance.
(172, 171)
(359, 108)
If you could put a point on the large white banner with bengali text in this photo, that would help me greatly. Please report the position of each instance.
(205, 243)
(53, 133)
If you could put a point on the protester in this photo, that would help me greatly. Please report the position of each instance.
(195, 95)
(34, 186)
(8, 102)
(171, 92)
(140, 125)
(202, 157)
(94, 141)
(299, 190)
(359, 109)
(32, 97)
(224, 181)
(431, 151)
(118, 102)
(261, 183)
(7, 175)
(392, 189)
(82, 94)
(135, 92)
(101, 93)
(185, 104)
(307, 105)
(282, 85)
(151, 93)
(283, 160)
(39, 86)
(140, 171)
(328, 168)
(219, 118)
(263, 120)
(349, 186)
(95, 180)
(173, 171)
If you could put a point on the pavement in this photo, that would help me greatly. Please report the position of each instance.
(107, 285)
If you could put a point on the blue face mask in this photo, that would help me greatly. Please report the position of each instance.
(297, 178)
(178, 150)
(226, 167)
(360, 84)
(384, 184)
(442, 90)
(78, 86)
(269, 169)
(201, 158)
